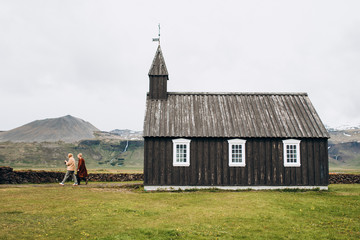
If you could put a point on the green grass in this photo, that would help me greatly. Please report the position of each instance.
(98, 212)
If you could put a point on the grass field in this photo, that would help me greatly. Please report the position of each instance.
(107, 211)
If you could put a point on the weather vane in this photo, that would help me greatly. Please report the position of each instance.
(158, 38)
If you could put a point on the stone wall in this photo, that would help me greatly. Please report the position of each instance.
(8, 176)
(344, 178)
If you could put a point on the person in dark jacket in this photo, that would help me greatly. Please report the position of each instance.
(81, 169)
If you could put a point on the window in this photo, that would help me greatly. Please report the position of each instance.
(291, 153)
(237, 152)
(181, 152)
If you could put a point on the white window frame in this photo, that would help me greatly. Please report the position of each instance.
(296, 143)
(240, 142)
(181, 141)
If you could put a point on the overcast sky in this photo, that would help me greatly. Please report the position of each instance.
(90, 59)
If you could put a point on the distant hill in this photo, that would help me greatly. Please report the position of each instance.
(343, 136)
(67, 129)
(344, 148)
(128, 134)
(98, 154)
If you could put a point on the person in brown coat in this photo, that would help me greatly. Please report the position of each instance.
(81, 169)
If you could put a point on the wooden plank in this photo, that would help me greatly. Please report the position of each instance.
(274, 160)
(280, 110)
(175, 114)
(212, 162)
(219, 169)
(181, 176)
(276, 116)
(225, 163)
(261, 116)
(162, 168)
(207, 162)
(307, 123)
(298, 173)
(169, 161)
(175, 178)
(186, 177)
(200, 159)
(268, 163)
(192, 113)
(281, 173)
(242, 119)
(146, 182)
(316, 162)
(156, 160)
(256, 175)
(185, 116)
(304, 162)
(293, 176)
(193, 162)
(295, 114)
(310, 154)
(243, 170)
(250, 162)
(326, 161)
(262, 169)
(324, 176)
(270, 113)
(150, 161)
(232, 173)
(287, 176)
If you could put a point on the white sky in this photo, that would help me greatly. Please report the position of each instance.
(90, 59)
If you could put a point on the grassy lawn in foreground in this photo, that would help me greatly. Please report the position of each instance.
(55, 212)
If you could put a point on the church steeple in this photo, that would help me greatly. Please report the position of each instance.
(158, 76)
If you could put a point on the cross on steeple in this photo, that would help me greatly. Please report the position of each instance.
(158, 38)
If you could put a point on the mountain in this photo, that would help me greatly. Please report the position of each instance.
(344, 136)
(344, 148)
(67, 129)
(98, 154)
(128, 134)
(343, 127)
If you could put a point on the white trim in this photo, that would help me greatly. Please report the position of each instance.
(240, 142)
(232, 188)
(297, 144)
(185, 142)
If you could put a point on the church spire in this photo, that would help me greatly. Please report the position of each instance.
(158, 66)
(158, 76)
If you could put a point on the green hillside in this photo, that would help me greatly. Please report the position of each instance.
(98, 154)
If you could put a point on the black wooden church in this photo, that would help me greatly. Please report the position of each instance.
(231, 140)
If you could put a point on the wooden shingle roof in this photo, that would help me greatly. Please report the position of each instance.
(233, 115)
(158, 66)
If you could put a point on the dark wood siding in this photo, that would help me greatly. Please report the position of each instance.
(209, 164)
(158, 87)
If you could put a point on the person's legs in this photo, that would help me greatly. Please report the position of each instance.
(66, 176)
(78, 179)
(74, 177)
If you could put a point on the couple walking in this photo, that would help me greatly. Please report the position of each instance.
(81, 170)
